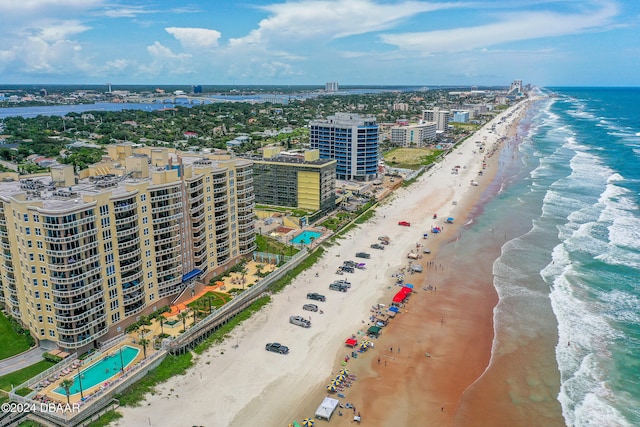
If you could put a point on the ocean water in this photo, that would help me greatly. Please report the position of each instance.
(571, 256)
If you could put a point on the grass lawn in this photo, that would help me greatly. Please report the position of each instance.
(218, 299)
(11, 343)
(18, 377)
(411, 158)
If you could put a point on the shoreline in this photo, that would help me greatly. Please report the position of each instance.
(238, 385)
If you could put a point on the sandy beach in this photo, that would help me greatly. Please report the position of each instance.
(238, 383)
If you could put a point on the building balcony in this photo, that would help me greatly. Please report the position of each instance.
(67, 225)
(221, 208)
(127, 220)
(177, 269)
(73, 279)
(124, 232)
(76, 289)
(167, 208)
(197, 187)
(220, 199)
(125, 207)
(198, 226)
(72, 263)
(164, 197)
(131, 287)
(134, 275)
(75, 330)
(13, 299)
(10, 278)
(16, 313)
(70, 343)
(172, 249)
(70, 250)
(223, 252)
(167, 261)
(132, 298)
(220, 180)
(222, 225)
(60, 317)
(246, 233)
(71, 238)
(247, 249)
(124, 256)
(77, 304)
(125, 244)
(196, 198)
(134, 309)
(223, 235)
(168, 218)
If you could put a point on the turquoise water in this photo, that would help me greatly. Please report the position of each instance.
(102, 371)
(569, 217)
(306, 237)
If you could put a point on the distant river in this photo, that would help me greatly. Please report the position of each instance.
(62, 110)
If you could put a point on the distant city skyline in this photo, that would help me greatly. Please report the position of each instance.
(300, 42)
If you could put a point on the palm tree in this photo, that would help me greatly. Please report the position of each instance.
(161, 319)
(183, 315)
(144, 342)
(66, 385)
(243, 272)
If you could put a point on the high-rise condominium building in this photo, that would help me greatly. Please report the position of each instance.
(441, 117)
(331, 87)
(83, 255)
(297, 180)
(417, 135)
(352, 140)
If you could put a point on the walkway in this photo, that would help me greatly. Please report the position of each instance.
(21, 360)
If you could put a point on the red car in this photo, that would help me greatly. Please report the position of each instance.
(404, 224)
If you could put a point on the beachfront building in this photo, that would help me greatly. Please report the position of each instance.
(85, 254)
(460, 116)
(416, 135)
(352, 140)
(297, 180)
(440, 117)
(331, 87)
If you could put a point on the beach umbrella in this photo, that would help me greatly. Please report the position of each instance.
(344, 372)
(340, 377)
(331, 388)
(308, 422)
(335, 382)
(408, 285)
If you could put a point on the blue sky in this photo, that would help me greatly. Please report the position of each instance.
(368, 42)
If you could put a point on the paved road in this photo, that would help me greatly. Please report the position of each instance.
(22, 360)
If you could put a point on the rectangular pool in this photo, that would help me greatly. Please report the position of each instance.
(306, 237)
(100, 372)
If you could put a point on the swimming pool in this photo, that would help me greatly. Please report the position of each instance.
(306, 237)
(109, 366)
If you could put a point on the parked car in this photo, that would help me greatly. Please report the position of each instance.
(362, 255)
(310, 307)
(300, 321)
(350, 263)
(404, 224)
(277, 348)
(338, 287)
(377, 246)
(343, 282)
(347, 269)
(426, 251)
(316, 296)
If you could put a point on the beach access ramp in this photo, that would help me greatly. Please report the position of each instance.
(327, 408)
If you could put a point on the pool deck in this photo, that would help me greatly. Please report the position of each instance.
(48, 393)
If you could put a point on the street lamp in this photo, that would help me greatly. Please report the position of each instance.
(80, 382)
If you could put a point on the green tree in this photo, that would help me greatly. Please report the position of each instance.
(66, 385)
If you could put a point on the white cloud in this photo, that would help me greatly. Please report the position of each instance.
(315, 19)
(511, 27)
(61, 31)
(195, 38)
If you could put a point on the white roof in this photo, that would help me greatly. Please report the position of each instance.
(327, 408)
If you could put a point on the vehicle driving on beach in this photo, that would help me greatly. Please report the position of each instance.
(404, 224)
(363, 255)
(338, 287)
(277, 348)
(377, 246)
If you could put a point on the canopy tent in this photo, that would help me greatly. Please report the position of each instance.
(327, 408)
(351, 342)
(399, 297)
(394, 309)
(450, 220)
(408, 285)
(374, 331)
(406, 289)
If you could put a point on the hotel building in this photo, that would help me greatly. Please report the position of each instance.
(417, 135)
(352, 140)
(84, 255)
(296, 180)
(441, 117)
